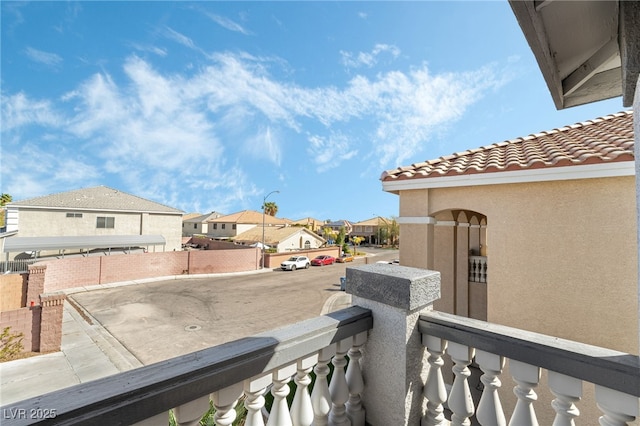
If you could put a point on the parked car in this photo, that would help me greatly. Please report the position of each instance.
(295, 262)
(323, 260)
(344, 258)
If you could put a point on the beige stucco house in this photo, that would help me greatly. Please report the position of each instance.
(197, 224)
(373, 230)
(282, 238)
(229, 226)
(99, 214)
(310, 223)
(537, 233)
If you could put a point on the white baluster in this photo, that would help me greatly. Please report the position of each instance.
(355, 411)
(472, 265)
(224, 402)
(619, 408)
(527, 377)
(320, 396)
(279, 415)
(301, 409)
(567, 391)
(254, 390)
(460, 400)
(490, 408)
(338, 387)
(189, 414)
(435, 390)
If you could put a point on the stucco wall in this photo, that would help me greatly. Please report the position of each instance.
(38, 223)
(562, 255)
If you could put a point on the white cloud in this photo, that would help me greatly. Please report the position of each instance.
(164, 133)
(50, 59)
(368, 59)
(227, 23)
(19, 110)
(149, 48)
(179, 38)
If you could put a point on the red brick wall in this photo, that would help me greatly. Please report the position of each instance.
(85, 271)
(70, 272)
(13, 291)
(51, 322)
(202, 262)
(129, 267)
(25, 321)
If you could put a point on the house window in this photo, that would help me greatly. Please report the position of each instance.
(215, 226)
(307, 244)
(195, 226)
(367, 229)
(74, 214)
(106, 222)
(233, 226)
(223, 225)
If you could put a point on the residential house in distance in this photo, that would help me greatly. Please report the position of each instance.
(372, 230)
(337, 225)
(281, 238)
(229, 226)
(197, 224)
(96, 217)
(314, 225)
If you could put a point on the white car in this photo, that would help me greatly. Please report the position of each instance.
(295, 262)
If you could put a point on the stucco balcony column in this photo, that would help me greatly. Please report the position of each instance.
(417, 232)
(395, 369)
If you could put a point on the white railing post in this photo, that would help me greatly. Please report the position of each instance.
(435, 390)
(567, 391)
(189, 414)
(320, 396)
(619, 408)
(355, 410)
(338, 386)
(460, 400)
(224, 402)
(490, 410)
(301, 408)
(254, 390)
(527, 377)
(279, 415)
(393, 367)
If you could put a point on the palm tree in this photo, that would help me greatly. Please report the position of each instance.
(4, 199)
(393, 231)
(270, 208)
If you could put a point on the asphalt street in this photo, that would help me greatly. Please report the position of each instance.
(159, 320)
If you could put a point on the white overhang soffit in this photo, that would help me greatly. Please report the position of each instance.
(20, 244)
(590, 171)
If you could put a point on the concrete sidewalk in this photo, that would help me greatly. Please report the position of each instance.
(88, 352)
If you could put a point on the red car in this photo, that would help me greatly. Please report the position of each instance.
(323, 260)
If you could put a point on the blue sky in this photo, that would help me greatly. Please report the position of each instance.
(212, 105)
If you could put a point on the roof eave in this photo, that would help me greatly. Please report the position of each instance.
(590, 171)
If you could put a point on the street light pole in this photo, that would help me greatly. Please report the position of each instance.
(264, 202)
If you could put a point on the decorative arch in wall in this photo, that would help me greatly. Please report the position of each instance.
(460, 254)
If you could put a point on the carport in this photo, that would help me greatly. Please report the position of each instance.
(82, 243)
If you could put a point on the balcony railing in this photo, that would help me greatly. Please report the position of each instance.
(19, 266)
(223, 374)
(616, 375)
(478, 269)
(394, 369)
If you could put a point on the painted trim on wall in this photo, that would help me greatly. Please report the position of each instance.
(416, 220)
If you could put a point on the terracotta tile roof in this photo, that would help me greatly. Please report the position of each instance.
(602, 140)
(249, 217)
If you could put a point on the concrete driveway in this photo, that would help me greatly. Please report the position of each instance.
(159, 320)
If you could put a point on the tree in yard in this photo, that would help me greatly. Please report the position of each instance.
(270, 208)
(393, 231)
(329, 234)
(4, 199)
